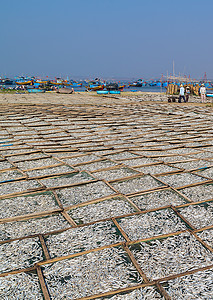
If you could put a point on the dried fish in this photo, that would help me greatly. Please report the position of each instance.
(198, 193)
(20, 254)
(10, 175)
(181, 179)
(20, 286)
(5, 165)
(138, 184)
(157, 169)
(80, 159)
(27, 156)
(193, 165)
(206, 236)
(18, 186)
(194, 286)
(207, 173)
(83, 238)
(146, 293)
(17, 229)
(158, 199)
(50, 171)
(115, 206)
(172, 255)
(66, 179)
(27, 204)
(138, 161)
(116, 173)
(91, 273)
(83, 193)
(199, 215)
(151, 224)
(26, 165)
(121, 155)
(140, 135)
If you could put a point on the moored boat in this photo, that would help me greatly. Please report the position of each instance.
(36, 90)
(102, 92)
(6, 81)
(94, 86)
(114, 92)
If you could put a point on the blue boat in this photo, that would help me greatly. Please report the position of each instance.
(102, 92)
(36, 90)
(114, 92)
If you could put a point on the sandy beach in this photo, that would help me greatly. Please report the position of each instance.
(89, 98)
(105, 197)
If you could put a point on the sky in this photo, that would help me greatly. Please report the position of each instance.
(106, 38)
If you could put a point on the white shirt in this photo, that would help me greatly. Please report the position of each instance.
(182, 91)
(203, 90)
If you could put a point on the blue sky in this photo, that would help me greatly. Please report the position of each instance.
(107, 39)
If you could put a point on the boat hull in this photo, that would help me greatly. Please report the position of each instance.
(24, 82)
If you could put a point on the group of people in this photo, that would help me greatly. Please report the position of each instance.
(187, 92)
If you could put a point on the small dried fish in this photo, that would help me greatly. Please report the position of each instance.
(20, 286)
(172, 255)
(196, 286)
(115, 206)
(91, 273)
(20, 254)
(151, 224)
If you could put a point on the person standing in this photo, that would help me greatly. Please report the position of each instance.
(187, 93)
(203, 93)
(181, 95)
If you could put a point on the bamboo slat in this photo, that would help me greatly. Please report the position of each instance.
(42, 283)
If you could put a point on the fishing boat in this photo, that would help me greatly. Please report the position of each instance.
(75, 84)
(24, 81)
(94, 86)
(6, 81)
(41, 81)
(121, 87)
(58, 81)
(138, 83)
(112, 86)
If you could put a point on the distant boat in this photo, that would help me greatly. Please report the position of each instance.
(114, 92)
(94, 86)
(24, 81)
(6, 81)
(58, 81)
(138, 83)
(41, 81)
(73, 84)
(36, 90)
(102, 92)
(112, 86)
